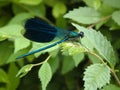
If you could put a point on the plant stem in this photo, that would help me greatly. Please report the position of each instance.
(42, 61)
(115, 76)
(102, 19)
(97, 56)
(111, 69)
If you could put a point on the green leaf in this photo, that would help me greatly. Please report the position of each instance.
(68, 64)
(2, 37)
(3, 77)
(96, 76)
(106, 10)
(13, 32)
(99, 25)
(111, 87)
(59, 20)
(45, 75)
(115, 17)
(24, 70)
(93, 58)
(72, 49)
(30, 2)
(14, 81)
(37, 10)
(76, 50)
(6, 49)
(65, 48)
(84, 15)
(13, 56)
(93, 3)
(100, 43)
(113, 3)
(78, 58)
(113, 25)
(20, 18)
(54, 63)
(21, 43)
(59, 9)
(50, 3)
(17, 9)
(87, 43)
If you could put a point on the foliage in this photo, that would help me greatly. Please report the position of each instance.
(45, 74)
(96, 76)
(89, 63)
(86, 15)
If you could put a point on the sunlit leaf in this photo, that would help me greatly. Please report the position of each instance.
(96, 76)
(13, 32)
(100, 43)
(78, 58)
(59, 9)
(45, 75)
(20, 18)
(72, 49)
(93, 3)
(116, 17)
(84, 15)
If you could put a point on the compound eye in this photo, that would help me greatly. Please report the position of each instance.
(81, 34)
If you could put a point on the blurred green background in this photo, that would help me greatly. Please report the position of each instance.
(67, 70)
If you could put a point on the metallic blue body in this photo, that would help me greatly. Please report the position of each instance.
(40, 31)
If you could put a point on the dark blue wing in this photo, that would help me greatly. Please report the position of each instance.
(39, 30)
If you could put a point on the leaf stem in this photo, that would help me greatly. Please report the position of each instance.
(102, 19)
(111, 69)
(115, 76)
(42, 61)
(97, 56)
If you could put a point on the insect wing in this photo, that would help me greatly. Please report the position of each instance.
(39, 30)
